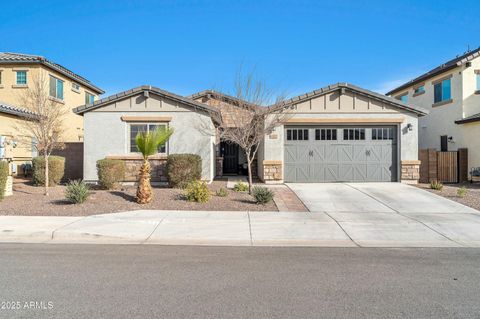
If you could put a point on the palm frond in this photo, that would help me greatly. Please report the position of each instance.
(148, 142)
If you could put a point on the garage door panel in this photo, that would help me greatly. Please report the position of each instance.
(362, 159)
(346, 153)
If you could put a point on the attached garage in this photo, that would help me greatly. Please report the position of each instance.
(340, 154)
(343, 133)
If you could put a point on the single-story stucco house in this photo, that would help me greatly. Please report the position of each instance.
(334, 134)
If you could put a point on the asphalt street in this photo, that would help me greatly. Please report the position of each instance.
(133, 281)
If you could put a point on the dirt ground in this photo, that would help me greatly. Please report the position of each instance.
(29, 200)
(471, 198)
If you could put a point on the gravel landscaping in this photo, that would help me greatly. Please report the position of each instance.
(471, 198)
(29, 200)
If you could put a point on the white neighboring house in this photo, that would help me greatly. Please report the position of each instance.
(451, 92)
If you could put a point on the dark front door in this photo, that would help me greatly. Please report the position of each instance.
(230, 158)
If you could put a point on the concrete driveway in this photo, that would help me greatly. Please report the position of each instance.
(386, 214)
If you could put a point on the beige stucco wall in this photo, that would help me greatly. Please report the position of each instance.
(107, 135)
(441, 120)
(343, 108)
(11, 127)
(10, 93)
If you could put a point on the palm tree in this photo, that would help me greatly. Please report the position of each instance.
(147, 144)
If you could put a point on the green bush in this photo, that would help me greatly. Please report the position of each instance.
(262, 195)
(436, 185)
(183, 169)
(56, 170)
(77, 191)
(461, 192)
(110, 172)
(222, 192)
(3, 177)
(197, 191)
(240, 187)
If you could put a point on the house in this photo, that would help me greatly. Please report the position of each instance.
(68, 89)
(111, 125)
(451, 92)
(337, 133)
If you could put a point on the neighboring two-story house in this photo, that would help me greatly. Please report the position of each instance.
(451, 92)
(17, 71)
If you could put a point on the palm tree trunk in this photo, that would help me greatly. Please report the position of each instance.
(45, 156)
(144, 190)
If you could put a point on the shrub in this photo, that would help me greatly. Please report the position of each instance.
(110, 172)
(3, 177)
(56, 170)
(77, 191)
(222, 192)
(197, 191)
(436, 185)
(240, 187)
(262, 195)
(183, 169)
(461, 192)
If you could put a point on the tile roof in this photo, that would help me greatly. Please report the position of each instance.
(219, 95)
(456, 62)
(144, 88)
(469, 119)
(14, 110)
(19, 58)
(358, 90)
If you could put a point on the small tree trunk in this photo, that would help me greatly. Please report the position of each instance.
(250, 181)
(46, 174)
(144, 189)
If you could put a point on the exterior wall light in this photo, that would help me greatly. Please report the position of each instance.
(410, 126)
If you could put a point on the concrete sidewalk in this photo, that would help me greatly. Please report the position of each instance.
(379, 229)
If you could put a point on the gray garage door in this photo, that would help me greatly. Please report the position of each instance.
(341, 154)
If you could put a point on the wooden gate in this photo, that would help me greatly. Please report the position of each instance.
(447, 167)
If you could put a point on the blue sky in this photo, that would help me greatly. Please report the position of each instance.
(188, 46)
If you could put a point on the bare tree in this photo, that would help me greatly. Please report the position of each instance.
(255, 112)
(46, 126)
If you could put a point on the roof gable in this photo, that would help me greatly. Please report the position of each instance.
(343, 87)
(19, 58)
(146, 90)
(449, 65)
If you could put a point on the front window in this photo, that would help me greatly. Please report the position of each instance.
(442, 91)
(75, 87)
(56, 88)
(89, 98)
(477, 75)
(403, 98)
(139, 128)
(21, 77)
(420, 89)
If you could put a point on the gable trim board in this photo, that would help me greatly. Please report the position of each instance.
(146, 118)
